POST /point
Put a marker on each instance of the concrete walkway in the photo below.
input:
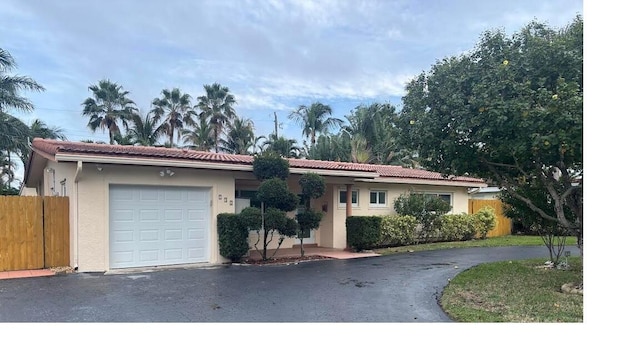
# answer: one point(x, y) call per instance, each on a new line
point(25, 274)
point(313, 251)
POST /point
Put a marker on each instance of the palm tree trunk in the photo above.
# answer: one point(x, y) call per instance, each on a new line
point(171, 130)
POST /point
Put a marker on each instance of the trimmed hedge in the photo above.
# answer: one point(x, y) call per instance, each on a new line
point(458, 227)
point(363, 232)
point(397, 230)
point(232, 236)
point(486, 220)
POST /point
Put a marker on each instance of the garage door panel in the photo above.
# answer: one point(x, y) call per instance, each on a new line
point(173, 254)
point(122, 236)
point(195, 253)
point(149, 215)
point(149, 194)
point(122, 257)
point(123, 194)
point(195, 197)
point(173, 215)
point(149, 235)
point(173, 195)
point(195, 215)
point(158, 226)
point(122, 216)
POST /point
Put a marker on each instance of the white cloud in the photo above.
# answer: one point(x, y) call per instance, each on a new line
point(273, 54)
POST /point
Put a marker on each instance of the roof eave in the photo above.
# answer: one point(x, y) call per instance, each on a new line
point(413, 181)
point(194, 164)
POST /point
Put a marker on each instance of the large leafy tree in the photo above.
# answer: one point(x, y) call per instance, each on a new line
point(175, 107)
point(314, 119)
point(108, 106)
point(12, 85)
point(509, 111)
point(217, 107)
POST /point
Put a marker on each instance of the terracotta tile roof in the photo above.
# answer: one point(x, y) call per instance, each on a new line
point(54, 147)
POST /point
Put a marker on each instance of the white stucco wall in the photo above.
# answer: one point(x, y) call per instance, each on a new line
point(93, 204)
point(459, 200)
point(89, 204)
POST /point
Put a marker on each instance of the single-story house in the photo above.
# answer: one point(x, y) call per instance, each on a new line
point(136, 206)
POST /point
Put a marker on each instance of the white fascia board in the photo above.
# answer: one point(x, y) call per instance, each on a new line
point(424, 182)
point(152, 162)
point(201, 165)
point(340, 173)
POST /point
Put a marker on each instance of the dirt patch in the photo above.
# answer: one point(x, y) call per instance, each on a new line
point(572, 288)
point(62, 270)
point(285, 260)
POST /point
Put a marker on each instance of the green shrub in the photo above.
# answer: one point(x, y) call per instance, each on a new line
point(251, 218)
point(275, 193)
point(363, 232)
point(270, 165)
point(486, 220)
point(426, 208)
point(457, 227)
point(289, 228)
point(232, 236)
point(309, 219)
point(397, 230)
point(312, 186)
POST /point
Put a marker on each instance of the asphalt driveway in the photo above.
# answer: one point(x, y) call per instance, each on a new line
point(393, 288)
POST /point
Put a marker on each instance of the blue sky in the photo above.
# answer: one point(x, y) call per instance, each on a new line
point(273, 55)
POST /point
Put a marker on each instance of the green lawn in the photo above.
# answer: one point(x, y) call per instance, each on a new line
point(510, 240)
point(514, 291)
point(509, 291)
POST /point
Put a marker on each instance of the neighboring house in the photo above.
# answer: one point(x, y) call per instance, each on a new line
point(486, 193)
point(134, 206)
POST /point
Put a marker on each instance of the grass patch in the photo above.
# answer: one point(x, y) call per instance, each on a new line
point(514, 291)
point(510, 240)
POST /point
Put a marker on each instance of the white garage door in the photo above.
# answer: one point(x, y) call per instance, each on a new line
point(154, 225)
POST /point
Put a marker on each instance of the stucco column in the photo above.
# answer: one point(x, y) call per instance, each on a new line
point(349, 205)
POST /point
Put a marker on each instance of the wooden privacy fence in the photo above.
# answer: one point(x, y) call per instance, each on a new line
point(503, 226)
point(34, 232)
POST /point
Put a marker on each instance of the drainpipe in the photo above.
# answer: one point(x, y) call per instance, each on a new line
point(76, 178)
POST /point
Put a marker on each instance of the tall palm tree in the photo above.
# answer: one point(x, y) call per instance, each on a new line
point(108, 105)
point(373, 135)
point(216, 106)
point(331, 147)
point(282, 146)
point(39, 129)
point(200, 136)
point(14, 135)
point(146, 132)
point(11, 85)
point(314, 119)
point(239, 137)
point(177, 108)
